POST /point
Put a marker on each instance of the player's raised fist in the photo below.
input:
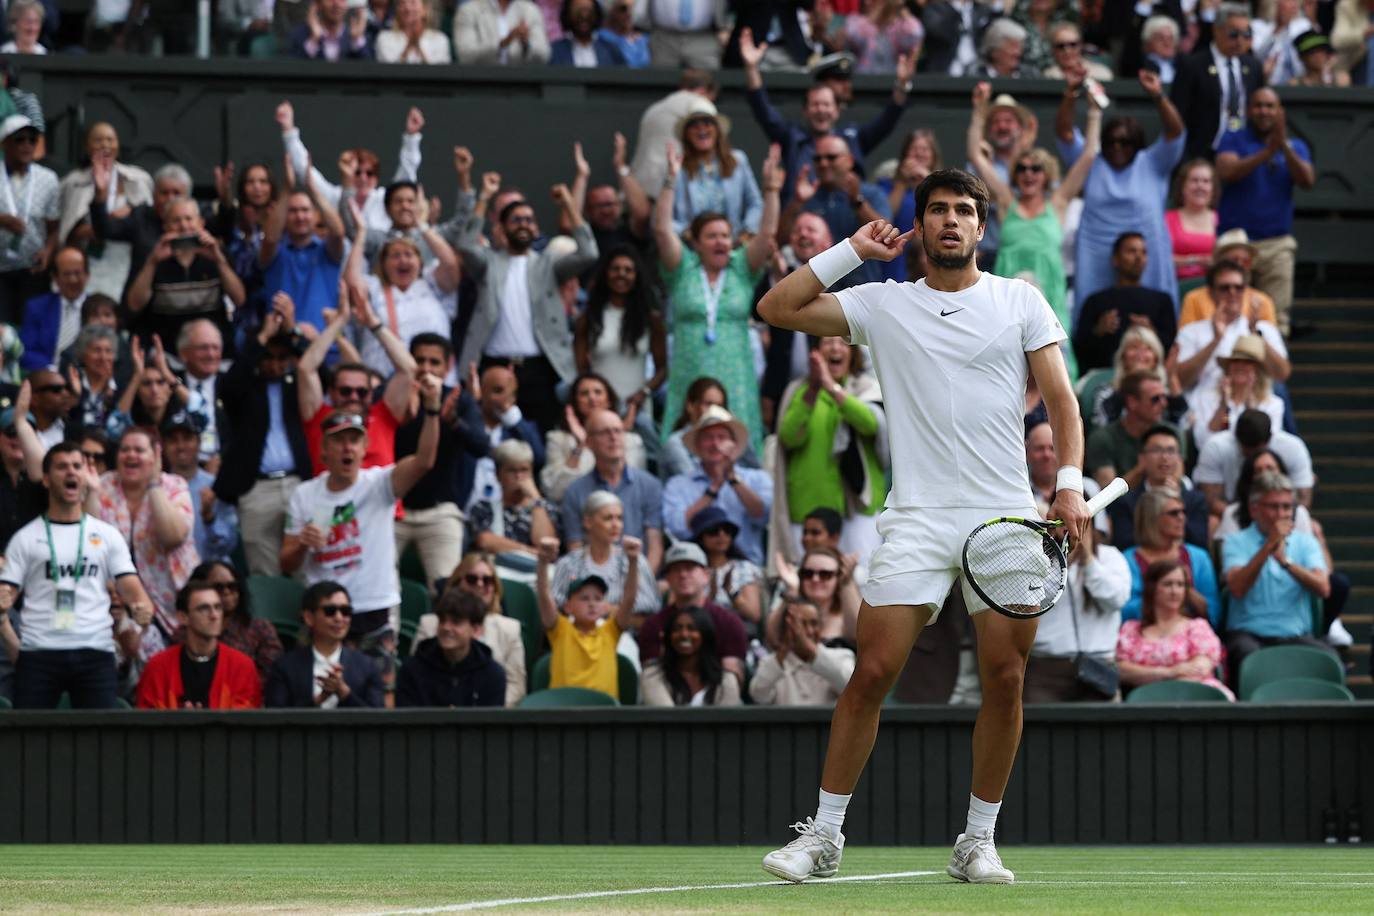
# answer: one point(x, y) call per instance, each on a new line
point(879, 240)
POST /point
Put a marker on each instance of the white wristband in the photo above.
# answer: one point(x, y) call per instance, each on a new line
point(834, 264)
point(1069, 478)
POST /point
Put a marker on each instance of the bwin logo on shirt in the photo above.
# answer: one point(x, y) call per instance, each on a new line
point(69, 570)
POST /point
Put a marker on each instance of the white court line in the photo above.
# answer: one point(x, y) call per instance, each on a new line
point(636, 891)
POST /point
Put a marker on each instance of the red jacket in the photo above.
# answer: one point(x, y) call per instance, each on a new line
point(234, 686)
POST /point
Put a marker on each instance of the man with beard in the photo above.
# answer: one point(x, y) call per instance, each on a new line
point(952, 352)
point(1107, 313)
point(581, 45)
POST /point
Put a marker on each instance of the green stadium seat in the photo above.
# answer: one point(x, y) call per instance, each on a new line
point(539, 672)
point(1176, 692)
point(566, 696)
point(414, 601)
point(5, 703)
point(277, 599)
point(411, 567)
point(1277, 663)
point(1300, 690)
point(519, 603)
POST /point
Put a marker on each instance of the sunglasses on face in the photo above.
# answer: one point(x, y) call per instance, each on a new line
point(1240, 33)
point(95, 456)
point(349, 392)
point(1067, 45)
point(1159, 399)
point(1230, 287)
point(1033, 167)
point(366, 173)
point(50, 389)
point(712, 532)
point(824, 575)
point(1175, 513)
point(335, 610)
point(1117, 141)
point(479, 581)
point(25, 138)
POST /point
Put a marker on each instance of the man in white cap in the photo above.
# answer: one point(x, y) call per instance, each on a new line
point(29, 213)
point(744, 494)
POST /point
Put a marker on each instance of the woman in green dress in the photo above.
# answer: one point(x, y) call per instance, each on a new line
point(711, 294)
point(1033, 207)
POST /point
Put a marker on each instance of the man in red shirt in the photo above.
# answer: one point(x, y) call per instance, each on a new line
point(201, 673)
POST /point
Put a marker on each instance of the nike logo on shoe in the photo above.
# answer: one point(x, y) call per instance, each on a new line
point(944, 314)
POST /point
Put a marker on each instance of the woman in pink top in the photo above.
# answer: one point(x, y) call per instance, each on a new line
point(1193, 223)
point(1167, 643)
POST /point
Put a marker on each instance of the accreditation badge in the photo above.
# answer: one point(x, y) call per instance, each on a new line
point(65, 618)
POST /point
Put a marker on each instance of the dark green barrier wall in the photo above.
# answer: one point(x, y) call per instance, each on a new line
point(1110, 774)
point(523, 121)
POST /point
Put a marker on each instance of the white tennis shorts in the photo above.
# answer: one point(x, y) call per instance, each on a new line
point(921, 554)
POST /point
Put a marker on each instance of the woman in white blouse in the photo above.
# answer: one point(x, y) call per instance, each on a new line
point(620, 328)
point(410, 40)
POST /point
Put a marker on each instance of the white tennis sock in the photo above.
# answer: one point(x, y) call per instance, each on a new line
point(830, 811)
point(982, 816)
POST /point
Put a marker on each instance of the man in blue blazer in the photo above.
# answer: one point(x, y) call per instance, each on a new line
point(325, 674)
point(52, 321)
point(581, 19)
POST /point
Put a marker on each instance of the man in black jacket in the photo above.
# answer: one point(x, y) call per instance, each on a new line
point(326, 674)
point(1214, 83)
point(266, 459)
point(948, 23)
point(454, 668)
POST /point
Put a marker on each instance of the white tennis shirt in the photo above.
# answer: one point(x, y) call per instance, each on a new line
point(953, 372)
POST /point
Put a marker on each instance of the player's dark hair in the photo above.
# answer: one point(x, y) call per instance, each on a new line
point(395, 186)
point(183, 599)
point(430, 339)
point(695, 392)
point(1253, 429)
point(1123, 238)
point(61, 448)
point(828, 517)
point(709, 667)
point(1156, 571)
point(1247, 478)
point(457, 605)
point(1131, 384)
point(1227, 266)
point(314, 595)
point(958, 181)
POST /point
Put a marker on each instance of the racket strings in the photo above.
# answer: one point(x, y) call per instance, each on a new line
point(1016, 567)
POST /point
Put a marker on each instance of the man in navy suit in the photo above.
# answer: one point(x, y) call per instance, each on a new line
point(1213, 84)
point(325, 674)
point(581, 46)
point(52, 321)
point(331, 32)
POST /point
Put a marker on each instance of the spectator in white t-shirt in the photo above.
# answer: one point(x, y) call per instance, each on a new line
point(68, 643)
point(341, 526)
point(1219, 465)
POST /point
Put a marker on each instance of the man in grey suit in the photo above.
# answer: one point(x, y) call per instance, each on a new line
point(519, 320)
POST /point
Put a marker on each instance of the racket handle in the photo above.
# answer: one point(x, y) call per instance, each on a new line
point(1110, 494)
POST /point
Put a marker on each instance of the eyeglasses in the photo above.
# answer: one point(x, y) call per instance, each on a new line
point(227, 588)
point(1240, 33)
point(1067, 45)
point(1035, 167)
point(95, 456)
point(1175, 513)
point(1230, 287)
point(825, 575)
point(346, 391)
point(367, 173)
point(334, 610)
point(479, 581)
point(521, 220)
point(1165, 450)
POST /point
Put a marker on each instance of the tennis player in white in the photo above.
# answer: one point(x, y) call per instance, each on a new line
point(952, 352)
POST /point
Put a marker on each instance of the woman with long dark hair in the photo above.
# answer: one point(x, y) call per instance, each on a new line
point(1169, 642)
point(566, 456)
point(245, 200)
point(620, 328)
point(689, 673)
point(253, 636)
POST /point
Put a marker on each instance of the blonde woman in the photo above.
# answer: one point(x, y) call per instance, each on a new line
point(1140, 350)
point(715, 178)
point(1244, 385)
point(410, 40)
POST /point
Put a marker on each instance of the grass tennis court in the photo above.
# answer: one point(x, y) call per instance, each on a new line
point(380, 879)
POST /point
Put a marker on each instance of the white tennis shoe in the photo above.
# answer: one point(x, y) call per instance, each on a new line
point(813, 854)
point(975, 860)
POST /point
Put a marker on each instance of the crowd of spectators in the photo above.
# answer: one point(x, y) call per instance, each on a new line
point(312, 374)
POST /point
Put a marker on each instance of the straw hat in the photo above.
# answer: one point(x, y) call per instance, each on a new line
point(1005, 100)
point(715, 416)
point(1232, 238)
point(1249, 348)
point(701, 108)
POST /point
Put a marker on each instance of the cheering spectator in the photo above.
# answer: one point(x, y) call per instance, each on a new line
point(130, 186)
point(1169, 642)
point(999, 52)
point(745, 494)
point(1033, 205)
point(295, 260)
point(519, 318)
point(618, 214)
point(114, 218)
point(640, 493)
point(820, 116)
point(501, 421)
point(658, 126)
point(1114, 450)
point(1259, 166)
point(582, 44)
point(688, 578)
point(1199, 305)
point(410, 40)
point(1318, 59)
point(1237, 515)
point(1272, 572)
point(514, 523)
point(689, 671)
point(954, 30)
point(25, 20)
point(1160, 524)
point(711, 292)
point(454, 668)
point(67, 644)
point(476, 575)
point(702, 393)
point(620, 31)
point(735, 583)
point(333, 30)
point(216, 530)
point(1161, 462)
point(42, 400)
point(52, 320)
point(155, 398)
point(1243, 385)
point(1159, 39)
point(833, 437)
point(1038, 17)
point(1066, 45)
point(803, 671)
point(919, 157)
point(1010, 130)
point(326, 673)
point(567, 456)
point(200, 348)
point(255, 637)
point(839, 196)
point(880, 36)
point(1219, 464)
point(186, 276)
point(29, 211)
point(341, 525)
point(619, 330)
point(359, 169)
point(788, 352)
point(1202, 343)
point(1193, 222)
point(506, 32)
point(715, 178)
point(604, 555)
point(824, 577)
point(1125, 190)
point(1107, 314)
point(1213, 83)
point(97, 363)
point(244, 203)
point(22, 497)
point(267, 457)
point(201, 673)
point(582, 642)
point(1275, 41)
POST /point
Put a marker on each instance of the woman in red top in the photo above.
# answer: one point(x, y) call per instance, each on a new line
point(1193, 223)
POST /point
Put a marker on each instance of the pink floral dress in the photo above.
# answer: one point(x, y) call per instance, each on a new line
point(162, 571)
point(1195, 639)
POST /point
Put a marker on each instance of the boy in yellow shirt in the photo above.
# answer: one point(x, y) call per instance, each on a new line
point(584, 646)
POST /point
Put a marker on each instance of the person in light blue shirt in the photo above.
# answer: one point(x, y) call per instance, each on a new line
point(1273, 573)
point(840, 197)
point(620, 31)
point(745, 495)
point(716, 178)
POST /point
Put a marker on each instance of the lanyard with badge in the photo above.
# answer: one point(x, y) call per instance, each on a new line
point(65, 616)
point(712, 296)
point(12, 204)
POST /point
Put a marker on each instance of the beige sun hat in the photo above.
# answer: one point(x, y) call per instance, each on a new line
point(715, 416)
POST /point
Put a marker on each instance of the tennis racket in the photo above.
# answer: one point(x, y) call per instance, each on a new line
point(1017, 566)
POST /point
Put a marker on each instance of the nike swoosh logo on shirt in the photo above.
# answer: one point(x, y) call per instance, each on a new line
point(944, 314)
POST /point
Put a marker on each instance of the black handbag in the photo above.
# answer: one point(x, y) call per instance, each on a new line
point(1099, 676)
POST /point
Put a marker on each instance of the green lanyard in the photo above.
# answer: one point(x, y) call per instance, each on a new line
point(80, 550)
